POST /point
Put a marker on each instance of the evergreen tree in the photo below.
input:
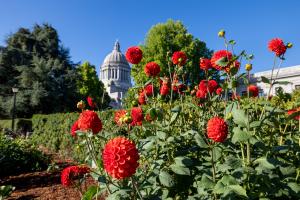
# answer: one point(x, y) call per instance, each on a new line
point(37, 63)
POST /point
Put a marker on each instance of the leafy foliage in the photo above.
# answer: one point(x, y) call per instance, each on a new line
point(89, 85)
point(161, 42)
point(18, 156)
point(37, 63)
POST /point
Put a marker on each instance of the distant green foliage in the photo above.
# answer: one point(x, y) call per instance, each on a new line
point(89, 85)
point(53, 132)
point(36, 62)
point(18, 156)
point(162, 41)
point(21, 125)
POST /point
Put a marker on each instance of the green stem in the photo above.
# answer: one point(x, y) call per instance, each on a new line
point(136, 187)
point(248, 153)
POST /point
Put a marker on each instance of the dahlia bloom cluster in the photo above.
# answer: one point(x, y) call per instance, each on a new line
point(277, 46)
point(120, 116)
point(134, 55)
point(206, 87)
point(147, 91)
point(179, 58)
point(71, 173)
point(87, 121)
point(217, 129)
point(152, 69)
point(226, 55)
point(137, 116)
point(120, 158)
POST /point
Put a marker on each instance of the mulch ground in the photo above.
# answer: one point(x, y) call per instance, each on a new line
point(44, 185)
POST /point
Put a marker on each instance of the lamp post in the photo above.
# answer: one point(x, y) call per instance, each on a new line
point(15, 90)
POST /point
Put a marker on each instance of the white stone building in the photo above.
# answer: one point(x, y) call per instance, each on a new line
point(287, 74)
point(115, 75)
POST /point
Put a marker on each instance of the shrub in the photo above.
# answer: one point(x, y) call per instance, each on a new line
point(53, 132)
point(18, 156)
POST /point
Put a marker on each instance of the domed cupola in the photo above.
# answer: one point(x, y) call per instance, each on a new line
point(115, 74)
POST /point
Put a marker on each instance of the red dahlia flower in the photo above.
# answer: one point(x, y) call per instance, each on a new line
point(205, 64)
point(149, 90)
point(120, 158)
point(217, 56)
point(119, 116)
point(91, 103)
point(137, 116)
point(219, 91)
point(142, 98)
point(74, 128)
point(89, 120)
point(134, 55)
point(201, 94)
point(277, 46)
point(210, 86)
point(164, 90)
point(217, 129)
point(253, 90)
point(152, 69)
point(179, 58)
point(293, 111)
point(71, 173)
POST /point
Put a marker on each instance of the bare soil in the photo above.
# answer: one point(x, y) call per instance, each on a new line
point(44, 185)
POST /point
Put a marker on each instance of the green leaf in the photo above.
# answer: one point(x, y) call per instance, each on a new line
point(177, 169)
point(223, 62)
point(265, 80)
point(90, 193)
point(161, 135)
point(239, 117)
point(174, 117)
point(200, 141)
point(281, 82)
point(183, 161)
point(228, 180)
point(233, 162)
point(239, 135)
point(264, 163)
point(294, 186)
point(206, 182)
point(255, 124)
point(232, 42)
point(119, 195)
point(166, 179)
point(176, 109)
point(239, 190)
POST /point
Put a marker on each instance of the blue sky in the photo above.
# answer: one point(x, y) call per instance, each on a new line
point(89, 28)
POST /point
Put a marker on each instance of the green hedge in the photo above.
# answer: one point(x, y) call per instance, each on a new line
point(53, 131)
point(21, 124)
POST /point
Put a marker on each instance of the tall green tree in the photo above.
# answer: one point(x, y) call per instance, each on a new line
point(36, 62)
point(89, 84)
point(162, 41)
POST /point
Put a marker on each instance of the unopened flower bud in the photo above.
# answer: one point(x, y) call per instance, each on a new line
point(221, 33)
point(289, 45)
point(248, 67)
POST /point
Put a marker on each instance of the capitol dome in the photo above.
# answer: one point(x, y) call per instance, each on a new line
point(115, 56)
point(115, 74)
